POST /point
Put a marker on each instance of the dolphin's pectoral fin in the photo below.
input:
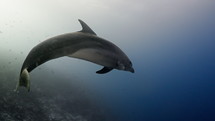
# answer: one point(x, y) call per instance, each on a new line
point(104, 70)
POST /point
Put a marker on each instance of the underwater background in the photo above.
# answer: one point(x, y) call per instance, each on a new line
point(170, 43)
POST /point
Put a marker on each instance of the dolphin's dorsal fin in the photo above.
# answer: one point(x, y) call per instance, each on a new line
point(86, 28)
point(104, 70)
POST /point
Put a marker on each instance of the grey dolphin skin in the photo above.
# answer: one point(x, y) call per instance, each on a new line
point(84, 44)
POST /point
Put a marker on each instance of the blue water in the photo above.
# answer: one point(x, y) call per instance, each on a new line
point(174, 76)
point(179, 84)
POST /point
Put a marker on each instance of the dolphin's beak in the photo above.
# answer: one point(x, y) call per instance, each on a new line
point(131, 70)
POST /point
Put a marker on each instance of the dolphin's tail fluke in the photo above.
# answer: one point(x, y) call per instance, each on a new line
point(24, 80)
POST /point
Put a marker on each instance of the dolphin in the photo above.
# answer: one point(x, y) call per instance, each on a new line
point(84, 44)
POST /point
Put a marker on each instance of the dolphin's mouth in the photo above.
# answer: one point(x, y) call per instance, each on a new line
point(131, 70)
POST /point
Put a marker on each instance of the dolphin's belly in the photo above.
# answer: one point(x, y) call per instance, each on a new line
point(98, 56)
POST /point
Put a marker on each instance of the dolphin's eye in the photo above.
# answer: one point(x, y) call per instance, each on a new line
point(120, 65)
